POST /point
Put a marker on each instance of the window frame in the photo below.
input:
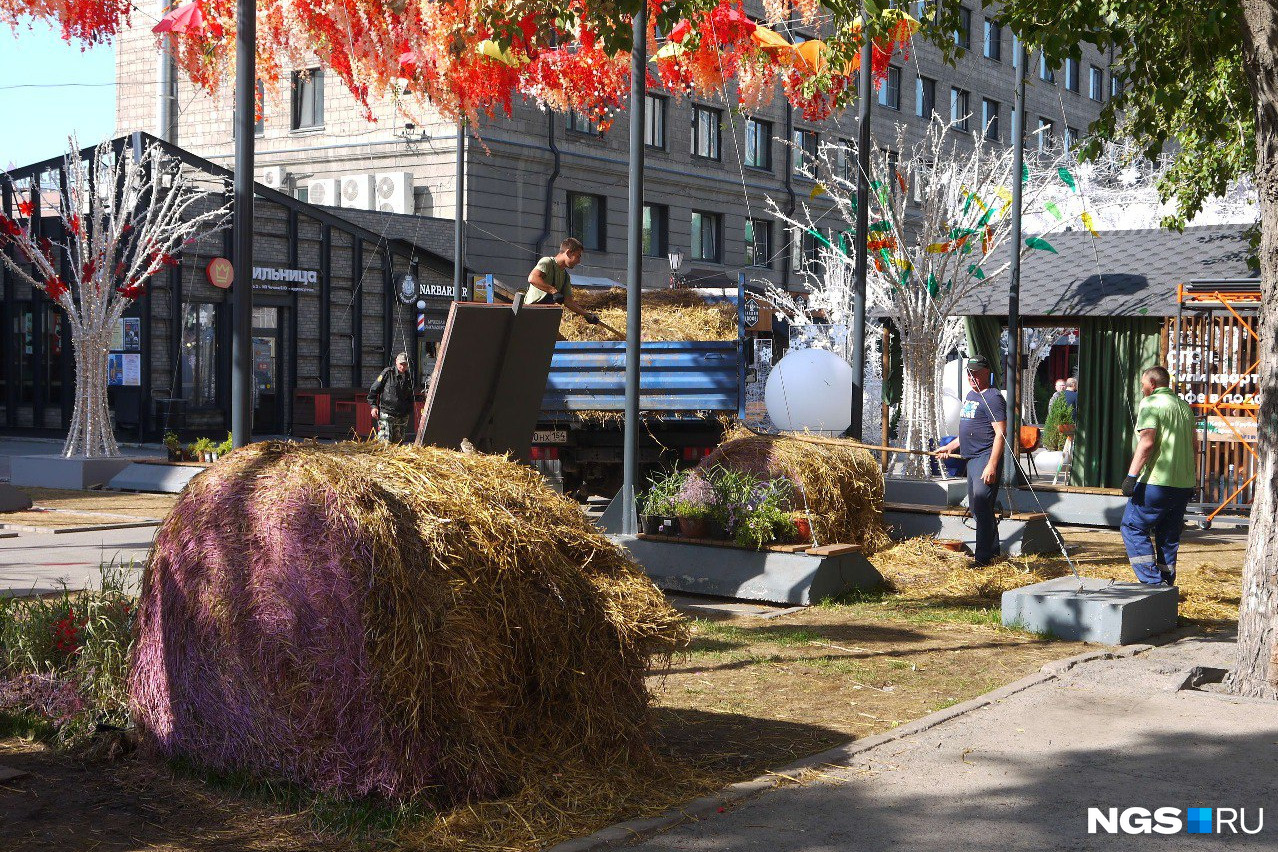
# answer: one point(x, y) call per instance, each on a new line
point(204, 374)
point(986, 124)
point(654, 121)
point(753, 126)
point(1072, 83)
point(1046, 140)
point(601, 216)
point(660, 214)
point(576, 122)
point(315, 78)
point(963, 34)
point(993, 28)
point(752, 234)
point(886, 88)
point(716, 131)
point(697, 241)
point(1046, 74)
point(1096, 84)
point(965, 122)
point(801, 138)
point(925, 97)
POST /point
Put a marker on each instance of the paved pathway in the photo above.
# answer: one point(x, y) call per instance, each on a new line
point(1021, 773)
point(43, 561)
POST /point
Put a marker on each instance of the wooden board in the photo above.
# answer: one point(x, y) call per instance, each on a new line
point(834, 549)
point(956, 512)
point(490, 377)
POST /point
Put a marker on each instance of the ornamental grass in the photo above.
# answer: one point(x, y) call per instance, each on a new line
point(667, 315)
point(838, 483)
point(366, 619)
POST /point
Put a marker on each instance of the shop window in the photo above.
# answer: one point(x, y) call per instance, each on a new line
point(199, 355)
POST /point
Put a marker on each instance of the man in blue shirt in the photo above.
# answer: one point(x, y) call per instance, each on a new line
point(982, 439)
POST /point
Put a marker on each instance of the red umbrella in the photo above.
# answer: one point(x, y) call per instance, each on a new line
point(181, 19)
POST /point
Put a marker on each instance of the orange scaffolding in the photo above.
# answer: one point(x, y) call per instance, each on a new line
point(1215, 361)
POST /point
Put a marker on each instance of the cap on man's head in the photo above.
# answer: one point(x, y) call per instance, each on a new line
point(978, 362)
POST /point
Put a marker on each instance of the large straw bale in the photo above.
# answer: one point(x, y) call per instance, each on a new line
point(372, 619)
point(837, 482)
point(666, 315)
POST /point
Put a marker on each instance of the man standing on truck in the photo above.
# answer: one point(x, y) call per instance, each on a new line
point(391, 398)
point(550, 283)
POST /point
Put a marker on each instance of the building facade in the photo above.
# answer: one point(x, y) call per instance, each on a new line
point(536, 176)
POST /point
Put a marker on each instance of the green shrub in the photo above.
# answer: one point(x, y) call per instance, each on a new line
point(663, 493)
point(1059, 415)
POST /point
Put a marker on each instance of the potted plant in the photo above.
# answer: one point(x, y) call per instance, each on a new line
point(1059, 425)
point(226, 446)
point(694, 519)
point(173, 445)
point(202, 449)
point(802, 526)
point(765, 515)
point(659, 501)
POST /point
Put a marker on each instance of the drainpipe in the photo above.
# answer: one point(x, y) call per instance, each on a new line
point(550, 185)
point(789, 190)
point(164, 92)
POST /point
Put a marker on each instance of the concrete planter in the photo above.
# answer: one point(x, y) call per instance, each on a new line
point(55, 471)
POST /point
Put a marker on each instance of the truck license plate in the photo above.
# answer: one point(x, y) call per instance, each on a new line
point(550, 436)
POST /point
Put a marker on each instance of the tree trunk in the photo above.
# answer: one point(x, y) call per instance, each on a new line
point(919, 430)
point(1256, 672)
point(91, 434)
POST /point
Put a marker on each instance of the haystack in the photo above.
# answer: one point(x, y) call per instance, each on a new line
point(371, 619)
point(673, 315)
point(837, 482)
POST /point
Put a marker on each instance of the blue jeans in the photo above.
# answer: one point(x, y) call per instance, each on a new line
point(1151, 529)
point(980, 502)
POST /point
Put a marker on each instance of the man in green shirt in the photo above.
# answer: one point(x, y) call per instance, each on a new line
point(1160, 480)
point(550, 283)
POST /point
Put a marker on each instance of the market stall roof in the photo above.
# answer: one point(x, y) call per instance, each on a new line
point(1119, 273)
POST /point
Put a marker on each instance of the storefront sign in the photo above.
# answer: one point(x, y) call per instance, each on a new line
point(288, 280)
point(409, 289)
point(221, 272)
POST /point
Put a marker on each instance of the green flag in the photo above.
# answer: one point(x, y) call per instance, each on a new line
point(1039, 243)
point(932, 289)
point(976, 272)
point(1067, 178)
point(1024, 173)
point(1054, 210)
point(881, 226)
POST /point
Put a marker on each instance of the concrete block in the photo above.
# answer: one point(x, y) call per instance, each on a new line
point(155, 478)
point(1092, 610)
point(1018, 536)
point(54, 471)
point(1091, 507)
point(924, 492)
point(13, 499)
point(728, 572)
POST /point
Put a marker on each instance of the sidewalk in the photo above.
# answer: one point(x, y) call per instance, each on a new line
point(43, 562)
point(1020, 774)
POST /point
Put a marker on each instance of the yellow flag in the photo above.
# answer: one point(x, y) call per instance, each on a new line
point(938, 248)
point(817, 190)
point(1089, 223)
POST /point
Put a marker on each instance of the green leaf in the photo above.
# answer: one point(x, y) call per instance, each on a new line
point(1067, 179)
point(1041, 244)
point(976, 272)
point(1054, 210)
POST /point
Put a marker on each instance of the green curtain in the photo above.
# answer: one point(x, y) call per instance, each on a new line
point(894, 381)
point(983, 333)
point(1112, 353)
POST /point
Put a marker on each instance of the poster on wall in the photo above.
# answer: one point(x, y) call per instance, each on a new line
point(115, 370)
point(132, 370)
point(132, 334)
point(117, 336)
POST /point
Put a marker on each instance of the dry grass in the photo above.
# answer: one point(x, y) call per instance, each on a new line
point(141, 506)
point(673, 315)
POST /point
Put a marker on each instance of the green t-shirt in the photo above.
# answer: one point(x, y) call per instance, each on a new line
point(555, 275)
point(1172, 463)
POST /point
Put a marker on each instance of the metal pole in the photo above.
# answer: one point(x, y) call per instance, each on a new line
point(865, 91)
point(459, 215)
point(164, 100)
point(1013, 365)
point(634, 269)
point(242, 224)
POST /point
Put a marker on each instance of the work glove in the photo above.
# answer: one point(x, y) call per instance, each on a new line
point(1129, 485)
point(556, 298)
point(593, 319)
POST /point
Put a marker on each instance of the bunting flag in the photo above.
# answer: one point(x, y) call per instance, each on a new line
point(1006, 196)
point(1067, 178)
point(1089, 223)
point(882, 244)
point(1039, 243)
point(984, 221)
point(955, 233)
point(1024, 173)
point(967, 199)
point(901, 183)
point(986, 240)
point(817, 191)
point(979, 203)
point(932, 289)
point(1054, 210)
point(879, 227)
point(976, 272)
point(939, 248)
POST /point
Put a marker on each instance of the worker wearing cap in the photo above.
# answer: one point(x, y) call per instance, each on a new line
point(1160, 480)
point(981, 440)
point(551, 283)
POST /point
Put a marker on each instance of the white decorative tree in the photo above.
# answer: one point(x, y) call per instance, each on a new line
point(1036, 345)
point(938, 224)
point(123, 218)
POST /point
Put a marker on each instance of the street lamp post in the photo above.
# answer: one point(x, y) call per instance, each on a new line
point(242, 223)
point(676, 262)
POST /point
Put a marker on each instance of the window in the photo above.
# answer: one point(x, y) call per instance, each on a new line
point(843, 160)
point(993, 40)
point(758, 144)
point(587, 220)
point(1115, 85)
point(654, 121)
point(579, 123)
point(758, 242)
point(920, 9)
point(989, 119)
point(199, 354)
point(963, 35)
point(308, 99)
point(890, 91)
point(1046, 134)
point(805, 153)
point(1096, 91)
point(656, 218)
point(1071, 138)
point(1045, 71)
point(705, 132)
point(959, 108)
point(925, 98)
point(302, 194)
point(805, 249)
point(706, 231)
point(1071, 75)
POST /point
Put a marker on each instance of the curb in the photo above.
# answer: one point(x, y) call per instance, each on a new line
point(635, 830)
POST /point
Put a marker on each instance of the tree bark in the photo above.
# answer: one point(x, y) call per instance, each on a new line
point(1256, 671)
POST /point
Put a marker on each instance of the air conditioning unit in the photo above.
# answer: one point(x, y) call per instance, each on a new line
point(323, 192)
point(357, 191)
point(276, 177)
point(395, 192)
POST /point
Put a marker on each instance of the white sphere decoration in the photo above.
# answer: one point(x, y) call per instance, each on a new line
point(810, 389)
point(954, 380)
point(952, 407)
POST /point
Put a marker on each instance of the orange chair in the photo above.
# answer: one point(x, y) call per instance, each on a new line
point(1029, 440)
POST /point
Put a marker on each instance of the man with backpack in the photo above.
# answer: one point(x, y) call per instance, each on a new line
point(391, 398)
